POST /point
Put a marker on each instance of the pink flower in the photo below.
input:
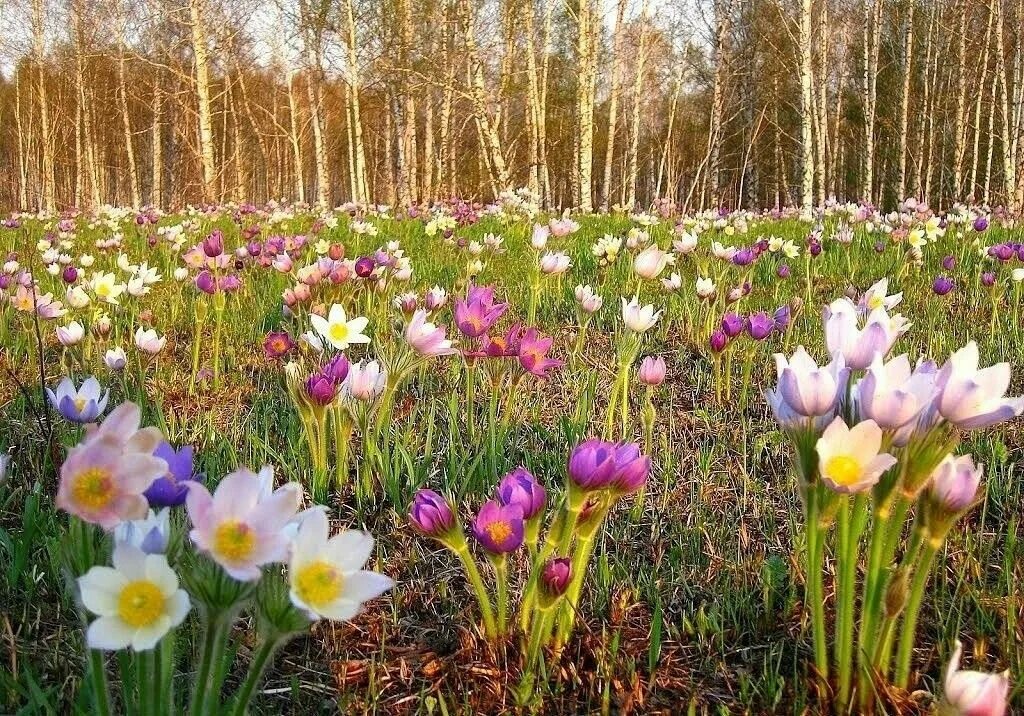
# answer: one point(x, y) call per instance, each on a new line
point(975, 693)
point(426, 338)
point(104, 476)
point(652, 371)
point(242, 525)
point(533, 349)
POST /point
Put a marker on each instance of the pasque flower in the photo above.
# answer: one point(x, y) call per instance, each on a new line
point(365, 381)
point(71, 334)
point(637, 319)
point(426, 338)
point(115, 359)
point(652, 370)
point(532, 353)
point(592, 464)
point(242, 525)
point(171, 489)
point(849, 459)
point(338, 330)
point(954, 483)
point(973, 398)
point(974, 693)
point(151, 533)
point(277, 345)
point(82, 405)
point(521, 488)
point(760, 325)
point(556, 576)
point(325, 573)
point(137, 600)
point(807, 389)
point(478, 313)
point(650, 262)
point(148, 341)
point(588, 301)
point(732, 324)
point(499, 528)
point(891, 394)
point(430, 514)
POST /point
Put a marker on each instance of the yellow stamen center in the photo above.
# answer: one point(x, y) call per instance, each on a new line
point(318, 583)
point(80, 404)
point(141, 603)
point(843, 470)
point(339, 332)
point(234, 541)
point(103, 290)
point(499, 531)
point(93, 488)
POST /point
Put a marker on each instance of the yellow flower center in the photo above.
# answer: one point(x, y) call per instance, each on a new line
point(93, 488)
point(80, 404)
point(499, 531)
point(843, 470)
point(103, 290)
point(234, 541)
point(339, 332)
point(141, 603)
point(318, 583)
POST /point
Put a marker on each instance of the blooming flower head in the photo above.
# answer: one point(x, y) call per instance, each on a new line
point(426, 338)
point(171, 489)
point(430, 514)
point(478, 313)
point(732, 324)
point(539, 238)
point(652, 370)
point(137, 600)
point(649, 263)
point(499, 528)
point(277, 345)
point(365, 381)
point(877, 296)
point(71, 334)
point(338, 330)
point(859, 345)
point(592, 464)
point(115, 359)
point(325, 573)
point(555, 263)
point(106, 287)
point(588, 301)
point(521, 488)
point(760, 325)
point(705, 287)
point(532, 353)
point(241, 526)
point(148, 341)
point(942, 285)
point(151, 534)
point(637, 319)
point(973, 398)
point(82, 405)
point(807, 389)
point(974, 693)
point(848, 458)
point(954, 483)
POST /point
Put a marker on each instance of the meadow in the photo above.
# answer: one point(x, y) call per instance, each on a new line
point(697, 582)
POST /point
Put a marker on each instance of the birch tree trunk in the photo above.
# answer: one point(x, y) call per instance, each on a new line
point(613, 104)
point(821, 106)
point(872, 36)
point(959, 121)
point(1006, 140)
point(908, 54)
point(202, 62)
point(156, 193)
point(129, 144)
point(587, 60)
point(806, 109)
point(360, 189)
point(634, 133)
point(49, 201)
point(297, 163)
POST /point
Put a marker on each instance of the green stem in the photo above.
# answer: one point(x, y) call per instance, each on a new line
point(541, 627)
point(258, 666)
point(567, 616)
point(906, 647)
point(852, 523)
point(501, 578)
point(486, 611)
point(887, 632)
point(205, 697)
point(98, 680)
point(815, 586)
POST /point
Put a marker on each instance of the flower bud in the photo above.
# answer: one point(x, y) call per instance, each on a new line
point(556, 576)
point(430, 514)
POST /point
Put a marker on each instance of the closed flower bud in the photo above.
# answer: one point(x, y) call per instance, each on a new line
point(556, 576)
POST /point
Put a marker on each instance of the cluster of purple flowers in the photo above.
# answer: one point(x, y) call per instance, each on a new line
point(758, 326)
point(322, 386)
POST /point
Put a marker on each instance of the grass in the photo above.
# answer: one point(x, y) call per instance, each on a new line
point(694, 600)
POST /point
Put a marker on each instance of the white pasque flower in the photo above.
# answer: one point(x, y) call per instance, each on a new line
point(338, 330)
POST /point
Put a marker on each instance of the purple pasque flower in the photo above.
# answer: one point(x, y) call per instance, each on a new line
point(988, 279)
point(556, 575)
point(942, 285)
point(364, 266)
point(973, 398)
point(478, 313)
point(277, 345)
point(631, 468)
point(532, 353)
point(879, 247)
point(337, 369)
point(521, 488)
point(499, 528)
point(783, 271)
point(760, 325)
point(744, 257)
point(980, 224)
point(172, 489)
point(320, 389)
point(592, 464)
point(949, 262)
point(954, 483)
point(206, 282)
point(79, 405)
point(718, 341)
point(213, 245)
point(782, 316)
point(430, 514)
point(70, 274)
point(732, 324)
point(814, 248)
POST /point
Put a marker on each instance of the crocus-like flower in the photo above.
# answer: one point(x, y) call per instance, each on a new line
point(718, 341)
point(171, 489)
point(478, 313)
point(892, 395)
point(137, 600)
point(556, 576)
point(277, 345)
point(150, 534)
point(365, 381)
point(637, 319)
point(555, 263)
point(320, 389)
point(71, 334)
point(520, 488)
point(974, 693)
point(83, 405)
point(652, 370)
point(430, 514)
point(532, 354)
point(848, 458)
point(942, 285)
point(877, 296)
point(705, 287)
point(326, 574)
point(147, 341)
point(631, 467)
point(760, 325)
point(650, 262)
point(242, 525)
point(971, 398)
point(499, 528)
point(539, 238)
point(954, 483)
point(435, 298)
point(115, 359)
point(589, 301)
point(338, 330)
point(732, 324)
point(426, 338)
point(807, 389)
point(592, 464)
point(859, 345)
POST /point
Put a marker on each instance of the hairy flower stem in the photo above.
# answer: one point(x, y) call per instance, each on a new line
point(261, 660)
point(539, 633)
point(815, 587)
point(921, 574)
point(205, 697)
point(482, 598)
point(851, 525)
point(500, 564)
